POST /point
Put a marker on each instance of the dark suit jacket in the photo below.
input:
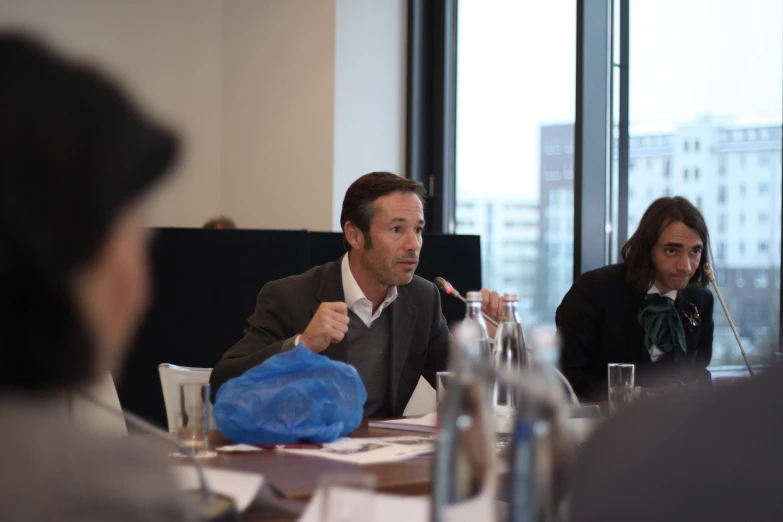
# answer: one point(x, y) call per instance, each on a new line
point(419, 335)
point(597, 324)
point(713, 456)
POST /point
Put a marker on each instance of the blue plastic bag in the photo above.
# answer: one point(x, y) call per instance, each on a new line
point(291, 397)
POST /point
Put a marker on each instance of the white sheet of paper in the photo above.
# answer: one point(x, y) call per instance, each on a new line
point(427, 423)
point(482, 507)
point(240, 486)
point(373, 450)
point(237, 448)
point(383, 507)
point(580, 430)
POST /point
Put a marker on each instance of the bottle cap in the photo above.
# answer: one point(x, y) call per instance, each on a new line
point(473, 295)
point(510, 296)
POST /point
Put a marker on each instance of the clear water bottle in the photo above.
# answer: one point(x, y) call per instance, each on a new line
point(540, 452)
point(464, 463)
point(509, 353)
point(473, 316)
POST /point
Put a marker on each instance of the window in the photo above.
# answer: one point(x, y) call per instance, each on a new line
point(685, 174)
point(761, 280)
point(763, 160)
point(763, 247)
point(698, 202)
point(722, 165)
point(516, 65)
point(763, 189)
point(742, 189)
point(508, 149)
point(763, 218)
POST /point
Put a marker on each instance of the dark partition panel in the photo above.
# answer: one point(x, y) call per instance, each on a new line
point(206, 283)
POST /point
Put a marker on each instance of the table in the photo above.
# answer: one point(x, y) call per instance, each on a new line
point(297, 476)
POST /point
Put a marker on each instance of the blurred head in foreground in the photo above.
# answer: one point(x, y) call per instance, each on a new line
point(77, 161)
point(220, 223)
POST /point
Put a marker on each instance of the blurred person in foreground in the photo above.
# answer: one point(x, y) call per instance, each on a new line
point(77, 160)
point(701, 456)
point(220, 223)
point(652, 310)
point(367, 308)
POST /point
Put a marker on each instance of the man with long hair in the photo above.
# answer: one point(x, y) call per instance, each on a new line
point(652, 310)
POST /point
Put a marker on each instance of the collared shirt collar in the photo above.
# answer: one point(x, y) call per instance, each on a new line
point(356, 300)
point(671, 294)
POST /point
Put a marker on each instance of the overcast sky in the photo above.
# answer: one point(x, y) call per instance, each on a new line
point(516, 70)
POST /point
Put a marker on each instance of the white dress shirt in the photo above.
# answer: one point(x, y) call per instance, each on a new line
point(356, 300)
point(655, 352)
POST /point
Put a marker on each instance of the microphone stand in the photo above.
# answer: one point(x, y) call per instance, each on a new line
point(450, 290)
point(210, 507)
point(711, 277)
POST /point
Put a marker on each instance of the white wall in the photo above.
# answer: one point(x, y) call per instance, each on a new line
point(278, 73)
point(369, 95)
point(281, 103)
point(167, 53)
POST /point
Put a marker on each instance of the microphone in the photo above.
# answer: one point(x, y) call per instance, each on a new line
point(209, 507)
point(450, 290)
point(711, 277)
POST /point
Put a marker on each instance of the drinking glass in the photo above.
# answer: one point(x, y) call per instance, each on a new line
point(621, 384)
point(193, 417)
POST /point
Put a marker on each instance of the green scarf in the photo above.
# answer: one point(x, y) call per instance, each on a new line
point(662, 325)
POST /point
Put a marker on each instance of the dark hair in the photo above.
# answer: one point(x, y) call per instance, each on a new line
point(637, 251)
point(74, 152)
point(220, 222)
point(360, 196)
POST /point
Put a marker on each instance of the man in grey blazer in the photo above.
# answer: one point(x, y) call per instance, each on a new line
point(367, 309)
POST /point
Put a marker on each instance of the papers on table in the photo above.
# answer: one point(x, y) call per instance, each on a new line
point(237, 448)
point(382, 507)
point(579, 428)
point(426, 423)
point(240, 486)
point(371, 450)
point(353, 504)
